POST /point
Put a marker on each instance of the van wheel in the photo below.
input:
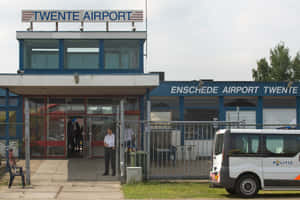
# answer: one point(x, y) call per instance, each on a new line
point(247, 186)
point(230, 190)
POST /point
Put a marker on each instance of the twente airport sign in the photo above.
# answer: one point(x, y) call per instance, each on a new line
point(82, 16)
point(226, 89)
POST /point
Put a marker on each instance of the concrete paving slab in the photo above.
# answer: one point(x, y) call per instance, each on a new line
point(54, 179)
point(90, 195)
point(12, 195)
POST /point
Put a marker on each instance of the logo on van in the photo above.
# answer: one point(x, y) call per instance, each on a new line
point(282, 163)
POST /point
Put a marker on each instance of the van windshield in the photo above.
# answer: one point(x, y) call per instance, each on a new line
point(219, 144)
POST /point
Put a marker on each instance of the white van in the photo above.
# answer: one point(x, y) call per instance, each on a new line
point(247, 160)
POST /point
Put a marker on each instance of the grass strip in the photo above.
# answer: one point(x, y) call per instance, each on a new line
point(182, 190)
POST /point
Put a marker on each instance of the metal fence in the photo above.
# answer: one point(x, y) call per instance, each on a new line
point(175, 149)
point(170, 150)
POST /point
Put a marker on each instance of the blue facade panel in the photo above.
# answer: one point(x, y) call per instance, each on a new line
point(259, 112)
point(222, 116)
point(21, 54)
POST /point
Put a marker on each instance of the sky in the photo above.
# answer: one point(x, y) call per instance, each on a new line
point(187, 39)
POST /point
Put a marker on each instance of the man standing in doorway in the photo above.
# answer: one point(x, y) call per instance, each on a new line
point(109, 153)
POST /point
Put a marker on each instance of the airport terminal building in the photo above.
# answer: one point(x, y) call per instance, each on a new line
point(82, 76)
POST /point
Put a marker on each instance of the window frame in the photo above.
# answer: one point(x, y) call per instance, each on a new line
point(121, 52)
point(238, 154)
point(27, 60)
point(271, 154)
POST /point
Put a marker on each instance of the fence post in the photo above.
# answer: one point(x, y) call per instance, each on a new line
point(298, 112)
point(6, 124)
point(27, 141)
point(148, 135)
point(118, 150)
point(122, 163)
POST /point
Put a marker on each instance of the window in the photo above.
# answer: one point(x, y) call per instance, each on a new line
point(12, 101)
point(248, 116)
point(219, 144)
point(81, 54)
point(121, 54)
point(12, 123)
point(274, 144)
point(283, 145)
point(244, 144)
point(41, 54)
point(276, 118)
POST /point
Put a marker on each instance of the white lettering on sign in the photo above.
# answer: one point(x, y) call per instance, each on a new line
point(279, 90)
point(82, 15)
point(205, 90)
point(233, 90)
point(240, 90)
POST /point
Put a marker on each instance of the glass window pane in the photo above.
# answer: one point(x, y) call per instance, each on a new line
point(274, 144)
point(36, 105)
point(279, 118)
point(102, 105)
point(82, 54)
point(2, 101)
point(12, 124)
point(75, 106)
point(56, 106)
point(219, 144)
point(121, 54)
point(13, 101)
point(245, 144)
point(41, 54)
point(254, 141)
point(249, 117)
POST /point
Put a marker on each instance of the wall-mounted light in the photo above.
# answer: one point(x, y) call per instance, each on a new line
point(200, 84)
point(20, 72)
point(290, 84)
point(76, 78)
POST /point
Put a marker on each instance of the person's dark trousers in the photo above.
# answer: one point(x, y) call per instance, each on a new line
point(110, 156)
point(11, 180)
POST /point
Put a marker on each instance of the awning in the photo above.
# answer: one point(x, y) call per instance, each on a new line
point(79, 85)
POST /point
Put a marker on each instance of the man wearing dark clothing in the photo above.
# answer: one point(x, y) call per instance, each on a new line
point(109, 155)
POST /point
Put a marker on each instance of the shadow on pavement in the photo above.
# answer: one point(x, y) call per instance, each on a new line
point(87, 170)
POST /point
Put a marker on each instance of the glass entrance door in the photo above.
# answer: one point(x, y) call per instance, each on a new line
point(56, 136)
point(98, 126)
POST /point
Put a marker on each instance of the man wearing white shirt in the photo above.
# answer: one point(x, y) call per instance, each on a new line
point(109, 149)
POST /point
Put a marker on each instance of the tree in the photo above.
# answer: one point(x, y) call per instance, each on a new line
point(281, 68)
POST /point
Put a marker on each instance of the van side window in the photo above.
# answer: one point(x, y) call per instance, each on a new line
point(274, 144)
point(219, 144)
point(283, 145)
point(244, 144)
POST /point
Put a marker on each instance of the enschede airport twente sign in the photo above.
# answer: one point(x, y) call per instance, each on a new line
point(82, 16)
point(226, 89)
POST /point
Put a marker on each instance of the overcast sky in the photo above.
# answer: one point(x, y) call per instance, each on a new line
point(188, 39)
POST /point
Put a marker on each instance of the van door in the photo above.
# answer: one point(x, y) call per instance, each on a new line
point(245, 154)
point(281, 164)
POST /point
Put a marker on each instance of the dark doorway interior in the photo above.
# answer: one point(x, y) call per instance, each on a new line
point(75, 135)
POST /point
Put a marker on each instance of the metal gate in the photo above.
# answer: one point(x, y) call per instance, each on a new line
point(169, 150)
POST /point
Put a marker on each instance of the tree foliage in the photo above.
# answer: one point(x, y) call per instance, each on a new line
point(281, 66)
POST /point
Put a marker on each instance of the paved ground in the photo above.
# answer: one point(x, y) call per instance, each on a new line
point(52, 179)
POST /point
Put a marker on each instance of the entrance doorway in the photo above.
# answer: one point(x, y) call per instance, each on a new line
point(76, 139)
point(98, 126)
point(62, 127)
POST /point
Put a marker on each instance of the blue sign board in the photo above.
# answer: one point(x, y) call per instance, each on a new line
point(226, 89)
